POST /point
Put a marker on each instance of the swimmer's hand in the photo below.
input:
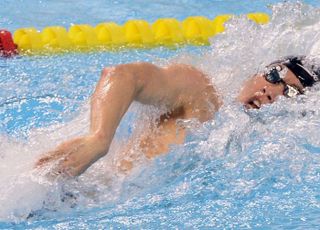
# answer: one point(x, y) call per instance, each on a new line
point(71, 158)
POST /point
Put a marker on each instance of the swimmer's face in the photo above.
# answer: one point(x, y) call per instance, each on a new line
point(257, 91)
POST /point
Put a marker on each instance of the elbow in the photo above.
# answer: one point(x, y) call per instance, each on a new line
point(132, 74)
point(106, 71)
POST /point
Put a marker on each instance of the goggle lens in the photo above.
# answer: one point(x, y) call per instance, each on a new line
point(275, 74)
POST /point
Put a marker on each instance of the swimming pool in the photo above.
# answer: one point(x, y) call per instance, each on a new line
point(257, 169)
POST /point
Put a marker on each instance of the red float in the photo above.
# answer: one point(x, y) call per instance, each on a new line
point(7, 46)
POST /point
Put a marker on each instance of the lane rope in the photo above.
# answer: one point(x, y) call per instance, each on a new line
point(168, 32)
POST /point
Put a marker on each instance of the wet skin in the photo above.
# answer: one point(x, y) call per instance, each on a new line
point(257, 91)
point(186, 92)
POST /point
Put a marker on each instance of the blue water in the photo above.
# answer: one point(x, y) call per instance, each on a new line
point(257, 169)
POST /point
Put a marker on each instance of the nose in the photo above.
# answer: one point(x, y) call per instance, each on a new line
point(265, 96)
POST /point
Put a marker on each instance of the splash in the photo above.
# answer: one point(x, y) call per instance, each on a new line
point(243, 169)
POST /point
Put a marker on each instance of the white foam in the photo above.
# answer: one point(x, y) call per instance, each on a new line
point(235, 55)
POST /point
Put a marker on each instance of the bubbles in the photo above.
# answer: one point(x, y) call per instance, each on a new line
point(247, 47)
point(243, 169)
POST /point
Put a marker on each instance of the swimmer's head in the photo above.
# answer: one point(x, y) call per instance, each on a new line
point(265, 88)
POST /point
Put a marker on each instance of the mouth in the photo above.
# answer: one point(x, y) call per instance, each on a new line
point(253, 104)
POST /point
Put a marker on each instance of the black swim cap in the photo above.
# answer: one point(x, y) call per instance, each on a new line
point(297, 64)
point(307, 77)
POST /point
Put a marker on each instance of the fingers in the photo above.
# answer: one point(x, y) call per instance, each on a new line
point(61, 172)
point(58, 169)
point(43, 161)
point(71, 167)
point(49, 157)
point(66, 167)
point(67, 160)
point(52, 166)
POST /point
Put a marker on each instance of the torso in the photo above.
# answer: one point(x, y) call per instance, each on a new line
point(196, 98)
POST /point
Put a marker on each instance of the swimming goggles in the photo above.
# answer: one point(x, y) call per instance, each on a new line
point(275, 75)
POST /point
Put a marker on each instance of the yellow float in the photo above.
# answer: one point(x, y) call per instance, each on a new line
point(167, 32)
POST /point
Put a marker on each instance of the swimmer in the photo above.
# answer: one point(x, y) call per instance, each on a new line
point(185, 91)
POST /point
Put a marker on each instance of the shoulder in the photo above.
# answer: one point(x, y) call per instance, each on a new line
point(187, 76)
point(197, 91)
point(183, 68)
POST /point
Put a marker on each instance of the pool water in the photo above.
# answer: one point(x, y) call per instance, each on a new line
point(243, 169)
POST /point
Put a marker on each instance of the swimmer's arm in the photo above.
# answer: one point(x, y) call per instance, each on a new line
point(115, 91)
point(118, 88)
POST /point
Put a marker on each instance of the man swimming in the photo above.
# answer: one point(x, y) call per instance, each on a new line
point(185, 91)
